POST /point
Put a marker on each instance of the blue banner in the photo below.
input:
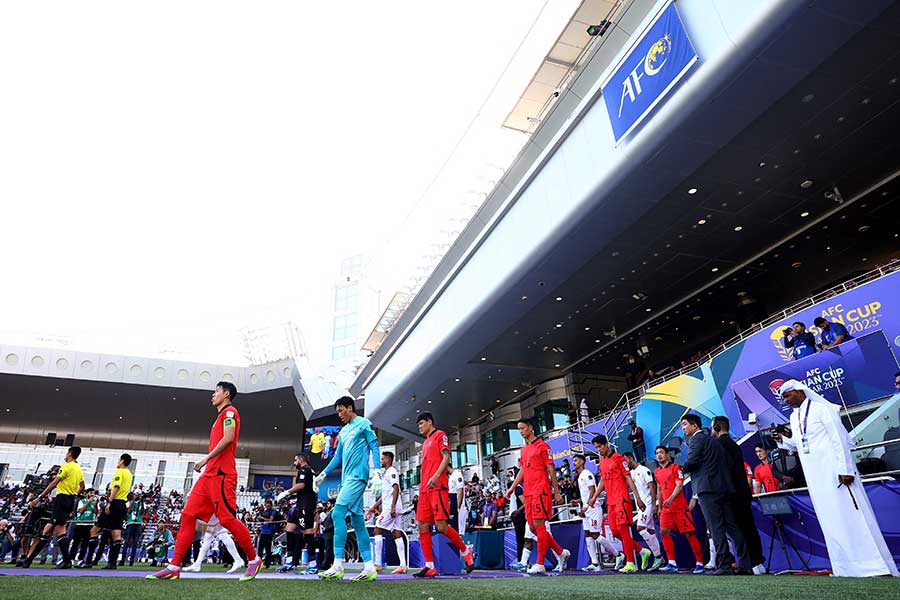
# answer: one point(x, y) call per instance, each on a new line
point(655, 63)
point(857, 371)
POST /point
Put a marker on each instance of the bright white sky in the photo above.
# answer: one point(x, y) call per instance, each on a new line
point(173, 171)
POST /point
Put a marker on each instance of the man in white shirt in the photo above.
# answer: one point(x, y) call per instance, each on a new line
point(646, 487)
point(591, 516)
point(391, 517)
point(457, 489)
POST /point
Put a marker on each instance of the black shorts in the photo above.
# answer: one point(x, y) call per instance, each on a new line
point(303, 517)
point(63, 505)
point(115, 518)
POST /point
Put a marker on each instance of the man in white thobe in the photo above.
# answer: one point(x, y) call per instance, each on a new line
point(856, 547)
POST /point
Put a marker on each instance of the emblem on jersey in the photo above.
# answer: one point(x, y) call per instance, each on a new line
point(228, 423)
point(229, 413)
point(446, 441)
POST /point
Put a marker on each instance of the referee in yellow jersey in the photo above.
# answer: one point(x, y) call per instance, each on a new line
point(113, 516)
point(69, 482)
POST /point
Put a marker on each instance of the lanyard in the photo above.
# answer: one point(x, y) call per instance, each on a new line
point(805, 419)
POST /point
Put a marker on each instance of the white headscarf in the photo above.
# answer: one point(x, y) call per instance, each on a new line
point(793, 384)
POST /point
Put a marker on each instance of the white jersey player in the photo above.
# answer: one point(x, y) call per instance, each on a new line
point(391, 517)
point(215, 533)
point(591, 515)
point(646, 488)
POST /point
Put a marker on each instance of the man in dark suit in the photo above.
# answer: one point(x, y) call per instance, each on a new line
point(743, 510)
point(708, 466)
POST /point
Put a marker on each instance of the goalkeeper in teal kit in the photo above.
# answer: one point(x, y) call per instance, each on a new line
point(355, 443)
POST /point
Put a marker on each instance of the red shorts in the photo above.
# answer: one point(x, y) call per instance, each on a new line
point(677, 519)
point(213, 495)
point(538, 506)
point(620, 514)
point(434, 505)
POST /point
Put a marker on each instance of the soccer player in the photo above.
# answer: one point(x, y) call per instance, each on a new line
point(591, 515)
point(356, 441)
point(112, 518)
point(69, 482)
point(215, 492)
point(538, 473)
point(215, 532)
point(763, 478)
point(643, 481)
point(301, 516)
point(614, 478)
point(390, 519)
point(434, 496)
point(672, 509)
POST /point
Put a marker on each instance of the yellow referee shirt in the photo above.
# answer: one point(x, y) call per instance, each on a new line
point(122, 478)
point(70, 477)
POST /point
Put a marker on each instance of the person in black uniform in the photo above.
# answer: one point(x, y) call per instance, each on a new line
point(301, 520)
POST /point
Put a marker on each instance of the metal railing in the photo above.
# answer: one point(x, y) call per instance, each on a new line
point(637, 393)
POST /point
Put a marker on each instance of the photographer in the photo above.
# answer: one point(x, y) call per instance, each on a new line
point(801, 341)
point(82, 522)
point(7, 540)
point(69, 482)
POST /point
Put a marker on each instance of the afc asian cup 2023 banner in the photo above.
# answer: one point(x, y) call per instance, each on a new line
point(708, 390)
point(857, 371)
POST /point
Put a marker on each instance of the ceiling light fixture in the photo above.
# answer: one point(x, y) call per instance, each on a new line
point(806, 184)
point(738, 228)
point(692, 191)
point(457, 379)
point(484, 358)
point(804, 214)
point(556, 365)
point(558, 325)
point(715, 269)
point(701, 222)
point(559, 298)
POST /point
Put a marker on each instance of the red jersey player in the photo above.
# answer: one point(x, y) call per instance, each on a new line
point(434, 496)
point(537, 473)
point(673, 512)
point(215, 492)
point(614, 478)
point(764, 479)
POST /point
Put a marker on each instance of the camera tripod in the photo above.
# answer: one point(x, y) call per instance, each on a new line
point(784, 541)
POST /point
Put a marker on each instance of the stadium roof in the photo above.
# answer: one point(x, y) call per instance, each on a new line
point(758, 161)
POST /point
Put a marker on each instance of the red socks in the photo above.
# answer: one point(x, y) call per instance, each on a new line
point(454, 538)
point(695, 546)
point(425, 543)
point(669, 546)
point(544, 541)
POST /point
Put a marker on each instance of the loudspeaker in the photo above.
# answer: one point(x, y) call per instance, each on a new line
point(70, 440)
point(51, 439)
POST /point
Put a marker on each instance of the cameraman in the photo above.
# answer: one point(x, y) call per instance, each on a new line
point(801, 341)
point(82, 522)
point(69, 482)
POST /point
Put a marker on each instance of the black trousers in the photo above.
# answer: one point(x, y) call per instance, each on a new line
point(721, 520)
point(81, 535)
point(328, 550)
point(743, 510)
point(265, 547)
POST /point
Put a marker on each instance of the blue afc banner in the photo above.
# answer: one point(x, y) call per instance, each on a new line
point(655, 63)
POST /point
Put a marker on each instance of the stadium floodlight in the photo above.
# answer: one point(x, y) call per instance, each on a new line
point(599, 29)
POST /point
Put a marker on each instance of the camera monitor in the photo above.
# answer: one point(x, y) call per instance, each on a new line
point(775, 505)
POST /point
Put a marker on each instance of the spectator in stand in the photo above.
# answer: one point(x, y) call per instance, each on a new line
point(567, 489)
point(764, 479)
point(832, 333)
point(489, 512)
point(635, 371)
point(802, 342)
point(636, 437)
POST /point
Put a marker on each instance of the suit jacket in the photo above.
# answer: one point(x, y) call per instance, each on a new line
point(708, 465)
point(736, 473)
